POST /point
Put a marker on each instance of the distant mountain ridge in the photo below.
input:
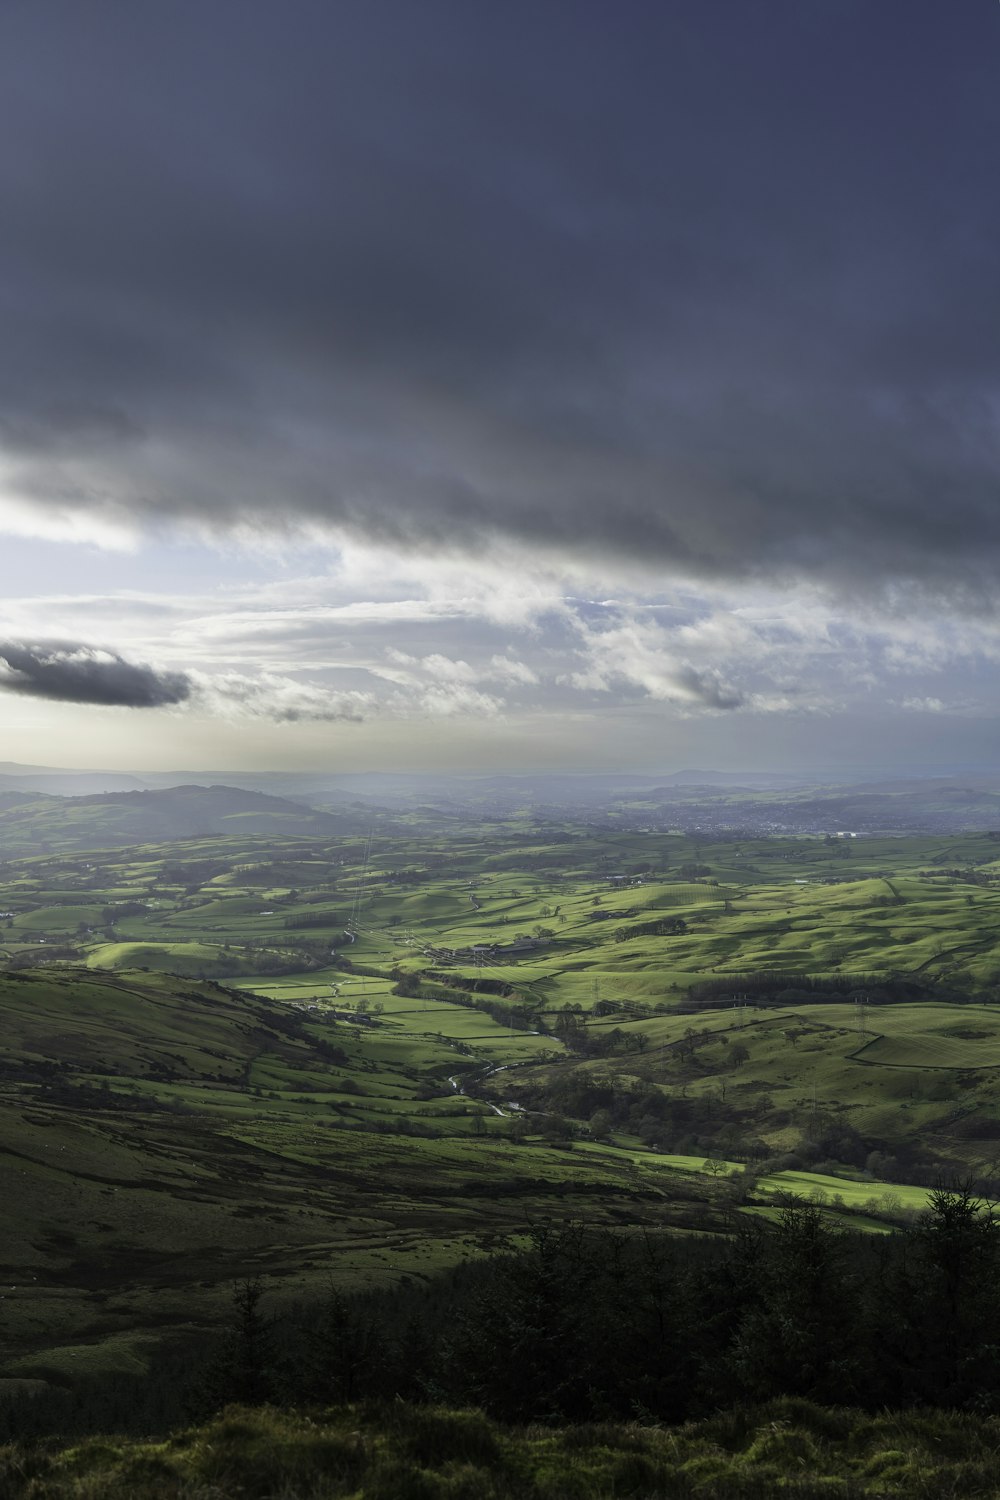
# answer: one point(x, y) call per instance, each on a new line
point(757, 780)
point(48, 810)
point(58, 781)
point(118, 819)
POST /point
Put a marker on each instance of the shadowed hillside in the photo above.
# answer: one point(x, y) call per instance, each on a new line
point(161, 1137)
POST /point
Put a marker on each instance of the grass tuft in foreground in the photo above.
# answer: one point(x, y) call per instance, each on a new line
point(403, 1452)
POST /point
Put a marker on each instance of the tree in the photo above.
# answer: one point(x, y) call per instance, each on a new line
point(345, 1350)
point(552, 1333)
point(242, 1368)
point(952, 1285)
point(800, 1334)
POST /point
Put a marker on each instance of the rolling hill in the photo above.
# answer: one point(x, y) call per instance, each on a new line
point(42, 824)
point(161, 1137)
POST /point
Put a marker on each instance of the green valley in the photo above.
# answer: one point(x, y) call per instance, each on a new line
point(375, 1056)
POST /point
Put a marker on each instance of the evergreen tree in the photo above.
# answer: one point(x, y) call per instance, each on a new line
point(343, 1354)
point(950, 1313)
point(799, 1336)
point(242, 1370)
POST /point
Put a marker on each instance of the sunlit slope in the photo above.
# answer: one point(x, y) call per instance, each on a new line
point(916, 1083)
point(925, 909)
point(194, 959)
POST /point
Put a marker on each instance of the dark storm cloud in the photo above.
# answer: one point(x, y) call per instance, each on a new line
point(706, 284)
point(69, 673)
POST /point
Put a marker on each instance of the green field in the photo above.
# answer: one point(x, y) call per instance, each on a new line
point(789, 905)
point(417, 1046)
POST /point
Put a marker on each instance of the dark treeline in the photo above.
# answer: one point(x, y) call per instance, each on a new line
point(592, 1325)
point(470, 994)
point(477, 986)
point(303, 920)
point(773, 987)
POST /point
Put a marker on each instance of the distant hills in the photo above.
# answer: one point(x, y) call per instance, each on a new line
point(48, 809)
point(58, 782)
point(42, 824)
point(760, 780)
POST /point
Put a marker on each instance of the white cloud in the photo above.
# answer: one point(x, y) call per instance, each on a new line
point(434, 666)
point(384, 637)
point(639, 653)
point(109, 527)
point(503, 669)
point(923, 705)
point(446, 700)
point(284, 701)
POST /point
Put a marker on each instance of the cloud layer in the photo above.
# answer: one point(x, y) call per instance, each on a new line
point(641, 288)
point(545, 382)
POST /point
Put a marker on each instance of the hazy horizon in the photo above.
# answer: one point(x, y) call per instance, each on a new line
point(704, 777)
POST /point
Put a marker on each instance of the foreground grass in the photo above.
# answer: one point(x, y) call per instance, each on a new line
point(402, 1452)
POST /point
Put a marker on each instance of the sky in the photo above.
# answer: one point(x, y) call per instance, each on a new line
point(553, 384)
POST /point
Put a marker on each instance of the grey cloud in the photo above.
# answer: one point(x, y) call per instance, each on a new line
point(708, 688)
point(280, 699)
point(643, 287)
point(72, 673)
